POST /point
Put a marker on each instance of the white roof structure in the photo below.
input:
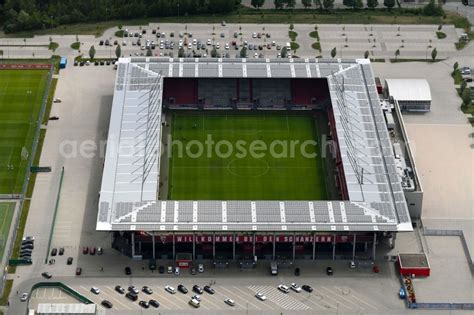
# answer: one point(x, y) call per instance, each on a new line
point(409, 89)
point(72, 308)
point(129, 193)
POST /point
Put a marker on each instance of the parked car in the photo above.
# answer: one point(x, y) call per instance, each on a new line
point(24, 296)
point(119, 289)
point(69, 260)
point(133, 289)
point(194, 303)
point(297, 271)
point(107, 304)
point(260, 296)
point(29, 238)
point(229, 302)
point(128, 271)
point(209, 290)
point(100, 250)
point(182, 289)
point(197, 289)
point(54, 251)
point(101, 43)
point(170, 289)
point(352, 264)
point(47, 275)
point(307, 288)
point(154, 303)
point(78, 271)
point(161, 269)
point(132, 296)
point(147, 290)
point(144, 304)
point(85, 250)
point(193, 271)
point(329, 271)
point(283, 288)
point(201, 268)
point(92, 250)
point(95, 290)
point(295, 287)
point(197, 297)
point(61, 251)
point(170, 269)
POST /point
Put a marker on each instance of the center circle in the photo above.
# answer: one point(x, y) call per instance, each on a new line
point(248, 167)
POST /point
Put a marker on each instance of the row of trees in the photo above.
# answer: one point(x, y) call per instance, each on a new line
point(18, 15)
point(430, 9)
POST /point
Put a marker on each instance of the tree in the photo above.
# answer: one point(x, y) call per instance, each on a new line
point(434, 53)
point(243, 52)
point(433, 9)
point(257, 3)
point(328, 4)
point(118, 51)
point(389, 4)
point(92, 52)
point(279, 4)
point(358, 4)
point(348, 3)
point(181, 53)
point(397, 53)
point(455, 66)
point(463, 86)
point(366, 54)
point(290, 3)
point(372, 4)
point(333, 52)
point(149, 53)
point(318, 3)
point(466, 97)
point(284, 52)
point(306, 3)
point(214, 52)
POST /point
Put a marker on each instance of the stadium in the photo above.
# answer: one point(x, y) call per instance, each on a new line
point(240, 159)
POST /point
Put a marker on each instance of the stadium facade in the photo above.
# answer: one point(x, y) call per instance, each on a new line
point(371, 208)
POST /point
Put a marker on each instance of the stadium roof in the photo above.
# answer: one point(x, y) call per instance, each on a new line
point(129, 193)
point(409, 89)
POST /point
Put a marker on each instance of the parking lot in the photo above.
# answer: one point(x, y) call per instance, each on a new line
point(327, 296)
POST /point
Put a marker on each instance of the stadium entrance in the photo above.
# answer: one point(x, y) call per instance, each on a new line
point(271, 246)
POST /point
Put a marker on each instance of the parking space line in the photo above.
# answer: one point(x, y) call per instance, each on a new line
point(336, 301)
point(207, 298)
point(237, 306)
point(352, 295)
point(115, 299)
point(162, 297)
point(308, 299)
point(237, 298)
point(283, 300)
point(246, 300)
point(357, 305)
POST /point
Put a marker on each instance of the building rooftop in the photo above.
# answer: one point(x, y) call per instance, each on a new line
point(130, 190)
point(409, 89)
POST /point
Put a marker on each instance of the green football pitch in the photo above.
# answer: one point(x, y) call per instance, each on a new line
point(21, 92)
point(233, 169)
point(6, 215)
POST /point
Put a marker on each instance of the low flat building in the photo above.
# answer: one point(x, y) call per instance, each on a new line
point(412, 95)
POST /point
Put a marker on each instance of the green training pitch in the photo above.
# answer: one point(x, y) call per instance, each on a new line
point(236, 176)
point(21, 92)
point(6, 215)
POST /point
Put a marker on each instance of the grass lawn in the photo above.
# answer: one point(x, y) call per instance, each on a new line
point(236, 176)
point(6, 215)
point(21, 92)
